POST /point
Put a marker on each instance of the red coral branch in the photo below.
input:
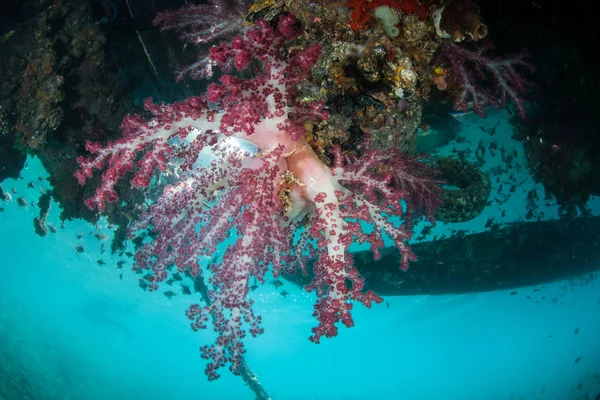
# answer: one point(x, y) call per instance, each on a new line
point(470, 70)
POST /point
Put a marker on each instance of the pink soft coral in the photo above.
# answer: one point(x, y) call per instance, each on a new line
point(323, 204)
point(471, 68)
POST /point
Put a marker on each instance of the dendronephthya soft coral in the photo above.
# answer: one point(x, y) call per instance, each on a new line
point(279, 205)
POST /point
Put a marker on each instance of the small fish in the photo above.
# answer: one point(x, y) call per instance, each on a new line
point(185, 289)
point(170, 281)
point(387, 304)
point(120, 264)
point(177, 277)
point(51, 228)
point(80, 236)
point(169, 294)
point(137, 242)
point(426, 230)
point(577, 360)
point(277, 283)
point(7, 35)
point(100, 262)
point(128, 254)
point(1, 209)
point(14, 191)
point(79, 249)
point(460, 116)
point(576, 331)
point(121, 276)
point(284, 293)
point(22, 202)
point(147, 276)
point(101, 236)
point(199, 286)
point(5, 195)
point(513, 293)
point(143, 284)
point(254, 287)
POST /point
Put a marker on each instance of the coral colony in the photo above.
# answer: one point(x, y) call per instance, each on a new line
point(285, 205)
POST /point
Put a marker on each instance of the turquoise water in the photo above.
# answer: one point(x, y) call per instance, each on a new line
point(73, 329)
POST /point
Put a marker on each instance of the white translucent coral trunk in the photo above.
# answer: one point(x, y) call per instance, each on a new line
point(319, 189)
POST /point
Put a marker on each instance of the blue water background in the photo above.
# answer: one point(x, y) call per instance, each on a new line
point(85, 334)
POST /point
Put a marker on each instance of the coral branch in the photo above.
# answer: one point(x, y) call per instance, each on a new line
point(204, 24)
point(470, 70)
